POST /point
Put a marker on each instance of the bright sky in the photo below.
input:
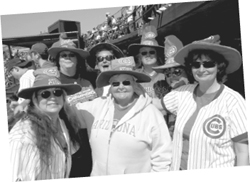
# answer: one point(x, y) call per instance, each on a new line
point(34, 23)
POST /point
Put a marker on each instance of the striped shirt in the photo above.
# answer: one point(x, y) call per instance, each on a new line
point(25, 157)
point(216, 126)
point(26, 81)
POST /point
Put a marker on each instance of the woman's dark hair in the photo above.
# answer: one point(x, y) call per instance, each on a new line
point(83, 70)
point(218, 58)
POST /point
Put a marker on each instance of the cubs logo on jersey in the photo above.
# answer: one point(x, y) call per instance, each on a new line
point(214, 127)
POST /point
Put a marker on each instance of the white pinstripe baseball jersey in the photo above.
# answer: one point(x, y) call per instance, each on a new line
point(26, 81)
point(215, 128)
point(25, 157)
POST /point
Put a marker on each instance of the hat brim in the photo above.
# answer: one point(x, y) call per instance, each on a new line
point(117, 52)
point(230, 54)
point(165, 66)
point(70, 89)
point(134, 48)
point(54, 51)
point(104, 77)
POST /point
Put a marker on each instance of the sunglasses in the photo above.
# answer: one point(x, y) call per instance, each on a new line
point(144, 53)
point(125, 83)
point(108, 58)
point(176, 72)
point(206, 64)
point(71, 55)
point(46, 94)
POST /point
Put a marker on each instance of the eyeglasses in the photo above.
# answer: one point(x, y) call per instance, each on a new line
point(71, 55)
point(46, 94)
point(108, 58)
point(176, 72)
point(144, 53)
point(206, 64)
point(125, 83)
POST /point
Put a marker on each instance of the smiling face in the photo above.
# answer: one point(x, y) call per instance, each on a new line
point(50, 101)
point(122, 88)
point(103, 60)
point(206, 72)
point(148, 56)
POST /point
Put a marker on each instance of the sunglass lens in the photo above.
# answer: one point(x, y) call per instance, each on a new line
point(126, 83)
point(115, 84)
point(209, 64)
point(151, 52)
point(57, 93)
point(144, 53)
point(45, 94)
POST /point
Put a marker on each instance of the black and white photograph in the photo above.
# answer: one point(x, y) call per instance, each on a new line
point(135, 90)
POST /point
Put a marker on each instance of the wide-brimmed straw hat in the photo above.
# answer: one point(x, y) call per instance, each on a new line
point(101, 46)
point(44, 81)
point(67, 45)
point(124, 65)
point(149, 34)
point(212, 43)
point(172, 46)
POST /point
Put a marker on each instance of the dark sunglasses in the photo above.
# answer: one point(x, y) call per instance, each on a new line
point(46, 94)
point(176, 72)
point(108, 58)
point(71, 55)
point(125, 83)
point(144, 53)
point(206, 64)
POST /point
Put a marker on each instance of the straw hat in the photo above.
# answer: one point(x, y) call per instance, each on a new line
point(212, 43)
point(44, 81)
point(124, 65)
point(172, 46)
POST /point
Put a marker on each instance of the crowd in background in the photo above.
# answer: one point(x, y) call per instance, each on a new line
point(132, 18)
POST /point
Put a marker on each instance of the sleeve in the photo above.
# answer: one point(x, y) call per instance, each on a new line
point(161, 144)
point(24, 159)
point(170, 101)
point(85, 112)
point(237, 115)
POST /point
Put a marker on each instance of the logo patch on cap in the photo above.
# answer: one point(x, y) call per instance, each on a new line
point(150, 35)
point(51, 72)
point(147, 42)
point(53, 81)
point(171, 51)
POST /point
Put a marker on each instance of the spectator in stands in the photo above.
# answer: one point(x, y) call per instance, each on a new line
point(100, 59)
point(71, 63)
point(127, 133)
point(149, 54)
point(39, 54)
point(42, 139)
point(21, 71)
point(175, 73)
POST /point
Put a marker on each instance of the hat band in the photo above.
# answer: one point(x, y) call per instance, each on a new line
point(148, 42)
point(123, 69)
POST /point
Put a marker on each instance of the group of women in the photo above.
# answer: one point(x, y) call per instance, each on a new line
point(124, 113)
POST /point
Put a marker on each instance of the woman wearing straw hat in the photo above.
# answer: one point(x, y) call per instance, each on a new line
point(100, 59)
point(127, 133)
point(210, 129)
point(72, 67)
point(41, 138)
point(175, 73)
point(149, 54)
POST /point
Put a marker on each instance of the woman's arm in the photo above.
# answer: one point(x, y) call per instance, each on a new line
point(242, 153)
